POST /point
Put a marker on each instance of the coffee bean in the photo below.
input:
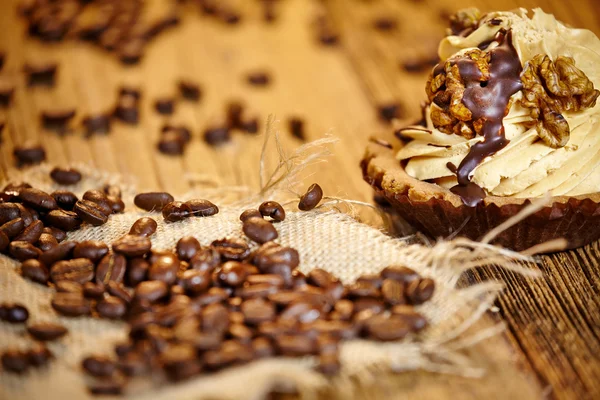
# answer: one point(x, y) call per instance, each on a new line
point(399, 273)
point(132, 51)
point(15, 361)
point(250, 125)
point(251, 213)
point(206, 259)
point(4, 241)
point(233, 273)
point(23, 250)
point(258, 78)
point(393, 292)
point(98, 366)
point(151, 290)
point(69, 287)
point(39, 355)
point(144, 226)
point(93, 250)
point(65, 199)
point(12, 228)
point(14, 313)
point(60, 252)
point(295, 345)
point(127, 109)
point(69, 220)
point(112, 267)
point(131, 91)
point(344, 309)
point(40, 73)
point(37, 199)
point(171, 143)
point(80, 270)
point(32, 233)
point(268, 279)
point(94, 124)
point(111, 307)
point(368, 303)
point(201, 208)
point(46, 242)
point(165, 106)
point(118, 290)
point(363, 289)
point(29, 215)
point(272, 209)
point(301, 311)
point(311, 198)
point(137, 270)
point(116, 204)
point(57, 119)
point(46, 331)
point(195, 281)
point(231, 249)
point(415, 320)
point(257, 310)
point(182, 132)
point(420, 291)
point(259, 230)
point(29, 153)
point(164, 269)
point(296, 127)
point(8, 212)
point(389, 111)
point(152, 201)
point(71, 304)
point(100, 199)
point(385, 23)
point(89, 212)
point(386, 328)
point(132, 245)
point(215, 318)
point(216, 135)
point(187, 247)
point(321, 278)
point(189, 90)
point(93, 290)
point(271, 256)
point(11, 191)
point(35, 271)
point(65, 176)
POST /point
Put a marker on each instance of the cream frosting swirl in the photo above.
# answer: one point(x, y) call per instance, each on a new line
point(527, 166)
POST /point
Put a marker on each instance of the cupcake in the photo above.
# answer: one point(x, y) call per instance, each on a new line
point(511, 115)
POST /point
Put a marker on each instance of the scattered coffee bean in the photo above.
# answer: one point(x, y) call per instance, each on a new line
point(100, 199)
point(69, 287)
point(217, 135)
point(151, 290)
point(251, 213)
point(399, 273)
point(385, 24)
point(89, 212)
point(8, 212)
point(389, 111)
point(46, 242)
point(189, 90)
point(127, 109)
point(250, 125)
point(235, 111)
point(176, 211)
point(386, 328)
point(272, 209)
point(165, 269)
point(187, 247)
point(296, 127)
point(40, 73)
point(57, 119)
point(152, 201)
point(61, 251)
point(71, 304)
point(311, 198)
point(409, 315)
point(132, 51)
point(23, 250)
point(112, 267)
point(201, 208)
point(14, 313)
point(70, 221)
point(195, 281)
point(29, 153)
point(93, 290)
point(171, 143)
point(94, 124)
point(393, 292)
point(39, 355)
point(231, 249)
point(35, 271)
point(111, 307)
point(132, 245)
point(80, 270)
point(13, 228)
point(118, 290)
point(420, 291)
point(258, 78)
point(93, 250)
point(15, 361)
point(46, 331)
point(259, 230)
point(165, 106)
point(32, 233)
point(37, 199)
point(98, 366)
point(137, 270)
point(65, 199)
point(65, 176)
point(144, 226)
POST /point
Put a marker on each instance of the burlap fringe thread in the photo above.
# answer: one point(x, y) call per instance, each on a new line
point(325, 237)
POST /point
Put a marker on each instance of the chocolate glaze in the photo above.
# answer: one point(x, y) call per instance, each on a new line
point(487, 100)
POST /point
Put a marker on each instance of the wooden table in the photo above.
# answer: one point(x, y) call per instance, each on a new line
point(552, 345)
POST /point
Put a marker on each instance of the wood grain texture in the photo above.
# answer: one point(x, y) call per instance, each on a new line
point(551, 347)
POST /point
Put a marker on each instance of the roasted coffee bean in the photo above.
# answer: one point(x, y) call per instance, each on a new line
point(231, 249)
point(263, 290)
point(116, 204)
point(29, 215)
point(295, 345)
point(40, 73)
point(235, 111)
point(151, 290)
point(250, 125)
point(259, 78)
point(98, 366)
point(171, 143)
point(271, 256)
point(388, 112)
point(71, 304)
point(58, 234)
point(131, 91)
point(132, 51)
point(100, 199)
point(393, 292)
point(165, 269)
point(94, 250)
point(296, 127)
point(183, 133)
point(37, 199)
point(201, 208)
point(301, 311)
point(257, 310)
point(12, 228)
point(386, 328)
point(94, 124)
point(165, 106)
point(272, 209)
point(216, 135)
point(60, 252)
point(311, 198)
point(127, 109)
point(111, 307)
point(57, 119)
point(416, 321)
point(14, 313)
point(15, 361)
point(214, 295)
point(262, 347)
point(363, 289)
point(344, 309)
point(206, 259)
point(385, 23)
point(233, 273)
point(112, 267)
point(46, 242)
point(195, 281)
point(89, 212)
point(259, 230)
point(144, 226)
point(35, 271)
point(69, 287)
point(368, 303)
point(251, 213)
point(8, 212)
point(65, 176)
point(4, 241)
point(189, 90)
point(137, 270)
point(187, 247)
point(399, 273)
point(39, 355)
point(23, 250)
point(32, 233)
point(93, 290)
point(80, 270)
point(329, 364)
point(152, 201)
point(118, 290)
point(240, 332)
point(321, 278)
point(29, 153)
point(268, 279)
point(70, 221)
point(11, 191)
point(420, 291)
point(132, 364)
point(215, 318)
point(132, 245)
point(46, 331)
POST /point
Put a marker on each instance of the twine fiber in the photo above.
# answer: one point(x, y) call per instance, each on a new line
point(325, 238)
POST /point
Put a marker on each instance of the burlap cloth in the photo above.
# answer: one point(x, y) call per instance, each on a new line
point(325, 238)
